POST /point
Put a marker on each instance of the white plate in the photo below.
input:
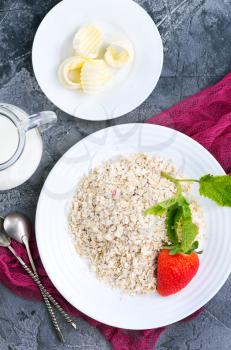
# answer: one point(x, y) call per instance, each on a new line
point(70, 273)
point(131, 85)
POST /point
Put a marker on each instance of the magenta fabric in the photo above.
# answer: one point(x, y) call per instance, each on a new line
point(206, 117)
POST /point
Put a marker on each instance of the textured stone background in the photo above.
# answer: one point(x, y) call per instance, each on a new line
point(196, 36)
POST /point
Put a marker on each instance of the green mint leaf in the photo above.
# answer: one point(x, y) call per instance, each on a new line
point(161, 208)
point(180, 220)
point(181, 231)
point(217, 188)
point(172, 218)
point(179, 217)
point(184, 204)
point(189, 233)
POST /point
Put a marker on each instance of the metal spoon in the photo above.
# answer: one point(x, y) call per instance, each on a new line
point(5, 241)
point(18, 227)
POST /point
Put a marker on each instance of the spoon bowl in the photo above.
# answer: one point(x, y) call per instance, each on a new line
point(17, 226)
point(4, 239)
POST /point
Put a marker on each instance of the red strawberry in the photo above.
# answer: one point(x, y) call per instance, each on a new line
point(174, 272)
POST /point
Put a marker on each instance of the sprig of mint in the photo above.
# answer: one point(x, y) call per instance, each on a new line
point(216, 188)
point(181, 231)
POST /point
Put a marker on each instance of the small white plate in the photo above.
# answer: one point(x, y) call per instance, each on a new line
point(69, 272)
point(130, 86)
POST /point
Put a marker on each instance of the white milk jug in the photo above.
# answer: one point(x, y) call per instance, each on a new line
point(20, 143)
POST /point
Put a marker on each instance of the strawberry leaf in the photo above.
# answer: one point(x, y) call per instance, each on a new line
point(194, 246)
point(175, 250)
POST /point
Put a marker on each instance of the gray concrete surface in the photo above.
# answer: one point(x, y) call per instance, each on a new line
point(197, 52)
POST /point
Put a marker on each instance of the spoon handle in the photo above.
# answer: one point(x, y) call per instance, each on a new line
point(49, 296)
point(59, 307)
point(26, 243)
point(39, 284)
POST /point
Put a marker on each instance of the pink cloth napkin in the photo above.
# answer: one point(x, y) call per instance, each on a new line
point(206, 117)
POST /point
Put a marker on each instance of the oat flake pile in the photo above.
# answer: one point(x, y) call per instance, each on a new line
point(108, 223)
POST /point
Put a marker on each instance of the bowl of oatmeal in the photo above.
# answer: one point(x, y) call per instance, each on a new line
point(96, 244)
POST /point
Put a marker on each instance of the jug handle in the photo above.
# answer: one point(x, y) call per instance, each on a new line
point(42, 120)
